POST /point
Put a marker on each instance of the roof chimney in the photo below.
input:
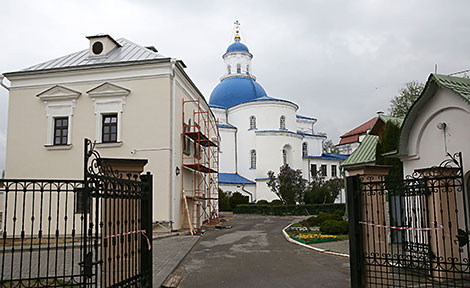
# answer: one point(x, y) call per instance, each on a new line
point(101, 44)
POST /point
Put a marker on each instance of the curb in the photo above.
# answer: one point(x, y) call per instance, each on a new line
point(310, 247)
point(172, 234)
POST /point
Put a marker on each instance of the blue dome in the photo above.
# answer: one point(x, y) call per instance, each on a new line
point(235, 90)
point(237, 46)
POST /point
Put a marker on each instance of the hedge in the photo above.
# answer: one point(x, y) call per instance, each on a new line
point(284, 210)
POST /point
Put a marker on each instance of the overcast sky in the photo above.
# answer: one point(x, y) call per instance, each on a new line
point(341, 61)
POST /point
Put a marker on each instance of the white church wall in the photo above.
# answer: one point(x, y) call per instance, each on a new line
point(267, 113)
point(305, 125)
point(220, 114)
point(314, 145)
point(227, 163)
point(270, 153)
point(263, 192)
point(234, 58)
point(426, 143)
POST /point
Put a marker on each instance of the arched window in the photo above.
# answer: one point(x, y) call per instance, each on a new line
point(229, 68)
point(252, 122)
point(304, 149)
point(239, 68)
point(282, 122)
point(287, 154)
point(248, 69)
point(253, 159)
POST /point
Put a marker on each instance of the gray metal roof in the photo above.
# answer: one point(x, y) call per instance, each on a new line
point(128, 52)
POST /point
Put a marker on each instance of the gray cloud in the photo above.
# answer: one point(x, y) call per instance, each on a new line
point(341, 61)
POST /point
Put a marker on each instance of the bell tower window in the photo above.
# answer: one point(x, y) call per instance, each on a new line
point(239, 68)
point(229, 68)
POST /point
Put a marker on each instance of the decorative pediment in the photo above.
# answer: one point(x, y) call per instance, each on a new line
point(58, 92)
point(108, 90)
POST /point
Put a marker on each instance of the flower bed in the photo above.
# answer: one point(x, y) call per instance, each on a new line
point(308, 236)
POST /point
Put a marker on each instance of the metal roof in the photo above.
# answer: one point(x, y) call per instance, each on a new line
point(128, 52)
point(365, 153)
point(328, 156)
point(353, 135)
point(233, 178)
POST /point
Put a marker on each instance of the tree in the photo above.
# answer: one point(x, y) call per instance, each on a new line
point(388, 143)
point(400, 104)
point(329, 147)
point(321, 191)
point(288, 185)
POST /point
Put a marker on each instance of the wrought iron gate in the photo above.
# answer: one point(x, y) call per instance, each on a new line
point(412, 232)
point(77, 233)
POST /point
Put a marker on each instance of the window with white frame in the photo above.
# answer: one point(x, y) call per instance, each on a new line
point(60, 104)
point(61, 127)
point(282, 122)
point(253, 159)
point(108, 100)
point(304, 149)
point(229, 68)
point(284, 156)
point(252, 122)
point(239, 68)
point(334, 171)
point(323, 170)
point(187, 140)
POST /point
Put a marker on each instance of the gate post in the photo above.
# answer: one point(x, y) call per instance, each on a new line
point(147, 216)
point(353, 190)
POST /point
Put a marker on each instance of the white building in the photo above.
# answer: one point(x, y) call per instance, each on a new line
point(260, 133)
point(436, 124)
point(142, 97)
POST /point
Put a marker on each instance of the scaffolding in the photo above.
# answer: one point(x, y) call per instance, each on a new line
point(200, 161)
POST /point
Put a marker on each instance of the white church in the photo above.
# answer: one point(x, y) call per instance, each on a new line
point(260, 133)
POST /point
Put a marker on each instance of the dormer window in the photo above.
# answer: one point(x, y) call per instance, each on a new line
point(101, 44)
point(97, 48)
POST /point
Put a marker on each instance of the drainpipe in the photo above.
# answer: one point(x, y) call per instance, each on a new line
point(1, 82)
point(173, 143)
point(246, 191)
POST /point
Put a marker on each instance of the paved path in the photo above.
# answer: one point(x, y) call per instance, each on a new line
point(254, 253)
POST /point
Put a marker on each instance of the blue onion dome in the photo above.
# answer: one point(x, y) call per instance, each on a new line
point(236, 90)
point(237, 47)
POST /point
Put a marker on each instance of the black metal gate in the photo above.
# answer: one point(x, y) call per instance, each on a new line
point(94, 232)
point(412, 232)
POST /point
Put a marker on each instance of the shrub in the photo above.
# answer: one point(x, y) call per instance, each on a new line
point(237, 198)
point(262, 202)
point(283, 210)
point(339, 212)
point(334, 227)
point(224, 201)
point(276, 202)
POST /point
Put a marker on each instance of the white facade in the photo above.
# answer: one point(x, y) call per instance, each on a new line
point(144, 93)
point(260, 133)
point(424, 140)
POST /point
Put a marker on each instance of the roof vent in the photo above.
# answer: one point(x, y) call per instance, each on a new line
point(101, 44)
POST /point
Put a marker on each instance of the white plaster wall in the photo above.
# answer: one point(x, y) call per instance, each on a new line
point(220, 114)
point(263, 192)
point(270, 152)
point(227, 163)
point(306, 126)
point(314, 145)
point(426, 144)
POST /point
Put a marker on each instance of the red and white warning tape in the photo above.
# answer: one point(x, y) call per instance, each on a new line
point(401, 227)
point(132, 232)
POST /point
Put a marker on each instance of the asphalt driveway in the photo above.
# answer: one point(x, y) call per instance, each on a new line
point(254, 253)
